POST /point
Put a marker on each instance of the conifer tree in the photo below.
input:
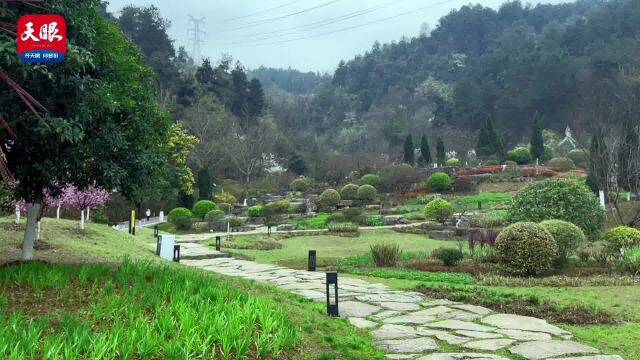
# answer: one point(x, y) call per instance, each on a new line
point(425, 150)
point(409, 155)
point(440, 152)
point(537, 141)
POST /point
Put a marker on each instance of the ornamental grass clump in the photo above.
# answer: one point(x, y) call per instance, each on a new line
point(385, 255)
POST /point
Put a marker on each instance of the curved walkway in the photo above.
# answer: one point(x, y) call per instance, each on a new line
point(407, 325)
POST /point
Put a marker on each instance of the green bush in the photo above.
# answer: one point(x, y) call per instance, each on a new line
point(622, 237)
point(565, 200)
point(302, 183)
point(439, 182)
point(453, 162)
point(568, 237)
point(329, 198)
point(214, 215)
point(491, 162)
point(255, 211)
point(349, 192)
point(373, 220)
point(449, 256)
point(275, 208)
point(225, 207)
point(99, 216)
point(510, 163)
point(520, 155)
point(385, 255)
point(236, 222)
point(630, 261)
point(370, 179)
point(351, 213)
point(439, 209)
point(526, 248)
point(181, 218)
point(580, 157)
point(225, 197)
point(335, 218)
point(561, 163)
point(343, 228)
point(202, 207)
point(367, 193)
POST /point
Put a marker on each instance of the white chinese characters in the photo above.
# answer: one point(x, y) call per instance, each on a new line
point(47, 32)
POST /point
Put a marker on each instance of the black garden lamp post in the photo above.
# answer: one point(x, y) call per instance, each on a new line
point(156, 231)
point(332, 301)
point(176, 253)
point(312, 260)
point(218, 243)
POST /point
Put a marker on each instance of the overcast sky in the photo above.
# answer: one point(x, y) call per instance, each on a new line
point(260, 32)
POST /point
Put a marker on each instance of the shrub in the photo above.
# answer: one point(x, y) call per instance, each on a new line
point(236, 221)
point(491, 162)
point(214, 215)
point(622, 237)
point(343, 228)
point(464, 184)
point(562, 200)
point(449, 256)
point(329, 198)
point(520, 155)
point(561, 163)
point(453, 162)
point(99, 216)
point(349, 192)
point(352, 213)
point(568, 237)
point(526, 248)
point(439, 182)
point(225, 207)
point(300, 184)
point(367, 193)
point(374, 220)
point(225, 197)
point(202, 207)
point(275, 208)
point(630, 261)
point(510, 163)
point(181, 218)
point(385, 255)
point(428, 198)
point(370, 179)
point(335, 218)
point(255, 211)
point(439, 210)
point(580, 157)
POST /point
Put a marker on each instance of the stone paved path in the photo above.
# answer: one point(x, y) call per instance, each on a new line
point(407, 325)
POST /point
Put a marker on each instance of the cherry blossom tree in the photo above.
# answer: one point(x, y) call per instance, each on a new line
point(85, 199)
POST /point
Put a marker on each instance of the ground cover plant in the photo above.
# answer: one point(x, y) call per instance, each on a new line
point(486, 199)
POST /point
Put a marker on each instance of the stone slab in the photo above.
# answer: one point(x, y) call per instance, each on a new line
point(462, 356)
point(393, 331)
point(489, 344)
point(526, 323)
point(357, 309)
point(460, 325)
point(538, 350)
point(362, 323)
point(524, 335)
point(478, 334)
point(417, 345)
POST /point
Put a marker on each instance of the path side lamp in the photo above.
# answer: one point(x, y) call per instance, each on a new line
point(332, 301)
point(312, 260)
point(176, 253)
point(218, 243)
point(156, 231)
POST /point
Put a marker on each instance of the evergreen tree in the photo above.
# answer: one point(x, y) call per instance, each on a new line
point(483, 148)
point(409, 155)
point(440, 152)
point(598, 164)
point(255, 98)
point(425, 150)
point(204, 184)
point(537, 141)
point(297, 164)
point(627, 149)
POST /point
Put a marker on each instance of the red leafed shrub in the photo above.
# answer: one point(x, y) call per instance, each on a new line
point(533, 171)
point(487, 169)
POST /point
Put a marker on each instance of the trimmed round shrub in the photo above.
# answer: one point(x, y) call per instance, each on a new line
point(622, 237)
point(370, 179)
point(275, 208)
point(580, 157)
point(439, 210)
point(367, 193)
point(561, 163)
point(202, 207)
point(214, 215)
point(510, 163)
point(351, 213)
point(329, 198)
point(181, 218)
point(225, 207)
point(568, 237)
point(255, 211)
point(301, 184)
point(439, 182)
point(225, 197)
point(236, 221)
point(449, 256)
point(566, 200)
point(526, 248)
point(349, 192)
point(464, 183)
point(453, 162)
point(335, 218)
point(520, 155)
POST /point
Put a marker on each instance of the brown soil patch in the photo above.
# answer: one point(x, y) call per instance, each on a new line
point(12, 227)
point(38, 245)
point(33, 303)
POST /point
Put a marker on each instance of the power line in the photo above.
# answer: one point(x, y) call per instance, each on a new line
point(351, 27)
point(197, 38)
point(259, 12)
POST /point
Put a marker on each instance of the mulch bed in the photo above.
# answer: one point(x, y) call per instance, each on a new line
point(38, 245)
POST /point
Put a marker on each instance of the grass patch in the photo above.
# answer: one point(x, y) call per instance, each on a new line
point(365, 259)
point(488, 200)
point(404, 274)
point(316, 222)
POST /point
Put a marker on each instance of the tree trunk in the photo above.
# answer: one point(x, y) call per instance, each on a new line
point(58, 213)
point(81, 219)
point(38, 230)
point(33, 212)
point(17, 215)
point(246, 186)
point(88, 218)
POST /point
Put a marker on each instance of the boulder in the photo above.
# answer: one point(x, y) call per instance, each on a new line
point(287, 227)
point(392, 219)
point(372, 207)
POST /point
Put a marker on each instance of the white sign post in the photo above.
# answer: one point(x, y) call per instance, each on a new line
point(166, 246)
point(601, 196)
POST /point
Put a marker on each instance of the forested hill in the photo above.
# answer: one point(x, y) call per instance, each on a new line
point(290, 80)
point(562, 61)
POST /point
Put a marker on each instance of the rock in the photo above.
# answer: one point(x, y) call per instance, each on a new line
point(362, 323)
point(357, 309)
point(474, 309)
point(460, 315)
point(287, 227)
point(392, 219)
point(478, 334)
point(389, 331)
point(524, 335)
point(441, 234)
point(256, 220)
point(592, 357)
point(417, 345)
point(526, 323)
point(489, 344)
point(452, 339)
point(372, 207)
point(380, 297)
point(438, 310)
point(385, 314)
point(400, 306)
point(400, 356)
point(462, 356)
point(460, 325)
point(345, 203)
point(409, 319)
point(440, 303)
point(537, 350)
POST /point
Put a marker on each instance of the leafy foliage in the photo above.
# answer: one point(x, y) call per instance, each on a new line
point(561, 163)
point(255, 211)
point(181, 218)
point(202, 208)
point(448, 256)
point(622, 237)
point(409, 154)
point(385, 255)
point(439, 182)
point(453, 162)
point(526, 248)
point(301, 183)
point(276, 208)
point(580, 158)
point(349, 192)
point(370, 179)
point(537, 141)
point(367, 193)
point(225, 197)
point(329, 198)
point(439, 209)
point(214, 215)
point(335, 218)
point(568, 237)
point(519, 155)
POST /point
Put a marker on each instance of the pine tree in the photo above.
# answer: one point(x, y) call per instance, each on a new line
point(255, 98)
point(297, 164)
point(627, 149)
point(537, 141)
point(483, 148)
point(409, 155)
point(425, 150)
point(440, 152)
point(204, 184)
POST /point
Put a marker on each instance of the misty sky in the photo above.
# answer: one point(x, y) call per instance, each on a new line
point(258, 32)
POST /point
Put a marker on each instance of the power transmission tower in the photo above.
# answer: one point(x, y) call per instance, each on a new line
point(197, 37)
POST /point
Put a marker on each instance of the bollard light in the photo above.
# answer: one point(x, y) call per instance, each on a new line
point(132, 223)
point(332, 301)
point(176, 253)
point(312, 260)
point(217, 243)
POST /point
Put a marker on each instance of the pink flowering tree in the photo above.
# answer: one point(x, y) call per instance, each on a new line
point(54, 202)
point(84, 200)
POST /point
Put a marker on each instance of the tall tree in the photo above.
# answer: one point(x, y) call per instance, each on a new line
point(204, 184)
point(537, 141)
point(425, 150)
point(297, 164)
point(629, 145)
point(440, 152)
point(239, 105)
point(255, 98)
point(484, 148)
point(409, 151)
